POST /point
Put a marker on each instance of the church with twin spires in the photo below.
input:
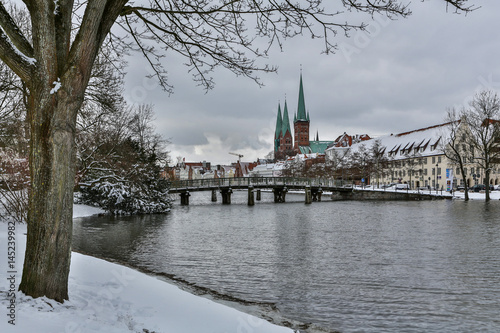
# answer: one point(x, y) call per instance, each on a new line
point(287, 145)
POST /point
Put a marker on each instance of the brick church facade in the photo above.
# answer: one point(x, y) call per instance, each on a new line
point(287, 145)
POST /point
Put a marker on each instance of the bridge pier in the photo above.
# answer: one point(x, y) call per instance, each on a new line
point(214, 196)
point(279, 194)
point(251, 200)
point(226, 195)
point(316, 194)
point(308, 195)
point(185, 198)
point(258, 195)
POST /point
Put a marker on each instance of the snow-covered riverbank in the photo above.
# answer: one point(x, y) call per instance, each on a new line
point(106, 297)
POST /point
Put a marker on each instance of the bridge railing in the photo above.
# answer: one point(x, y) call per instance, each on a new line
point(255, 181)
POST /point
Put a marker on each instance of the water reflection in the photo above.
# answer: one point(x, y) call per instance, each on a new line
point(347, 266)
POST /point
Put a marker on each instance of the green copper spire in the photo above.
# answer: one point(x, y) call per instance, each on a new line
point(301, 109)
point(279, 123)
point(286, 121)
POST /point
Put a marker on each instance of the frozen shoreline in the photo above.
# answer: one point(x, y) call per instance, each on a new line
point(107, 297)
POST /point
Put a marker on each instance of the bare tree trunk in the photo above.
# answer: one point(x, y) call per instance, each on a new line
point(50, 215)
point(487, 183)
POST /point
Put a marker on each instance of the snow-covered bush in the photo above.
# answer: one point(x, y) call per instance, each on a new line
point(125, 182)
point(126, 197)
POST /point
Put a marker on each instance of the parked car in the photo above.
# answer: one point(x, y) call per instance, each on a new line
point(481, 187)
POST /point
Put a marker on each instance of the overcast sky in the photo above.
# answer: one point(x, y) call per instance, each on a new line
point(400, 77)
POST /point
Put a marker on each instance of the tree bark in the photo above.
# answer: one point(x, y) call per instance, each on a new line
point(50, 215)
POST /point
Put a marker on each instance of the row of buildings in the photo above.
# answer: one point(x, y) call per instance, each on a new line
point(205, 170)
point(418, 158)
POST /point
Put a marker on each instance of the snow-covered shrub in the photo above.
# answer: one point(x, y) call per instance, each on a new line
point(126, 182)
point(126, 197)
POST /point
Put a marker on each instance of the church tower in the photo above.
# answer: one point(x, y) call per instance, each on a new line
point(301, 121)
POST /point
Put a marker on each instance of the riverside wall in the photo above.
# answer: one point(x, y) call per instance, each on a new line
point(383, 195)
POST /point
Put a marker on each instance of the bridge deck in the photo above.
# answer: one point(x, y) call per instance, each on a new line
point(255, 182)
point(325, 185)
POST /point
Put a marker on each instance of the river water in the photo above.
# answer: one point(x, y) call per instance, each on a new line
point(423, 266)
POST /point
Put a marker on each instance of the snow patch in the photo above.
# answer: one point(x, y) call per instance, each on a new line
point(31, 61)
point(84, 210)
point(57, 86)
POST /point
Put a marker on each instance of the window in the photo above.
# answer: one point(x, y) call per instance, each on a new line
point(425, 172)
point(458, 172)
point(439, 171)
point(433, 171)
point(439, 159)
point(433, 159)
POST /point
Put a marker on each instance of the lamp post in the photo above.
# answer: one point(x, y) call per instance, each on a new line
point(437, 179)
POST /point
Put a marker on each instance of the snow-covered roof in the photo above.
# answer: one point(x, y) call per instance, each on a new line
point(420, 142)
point(303, 157)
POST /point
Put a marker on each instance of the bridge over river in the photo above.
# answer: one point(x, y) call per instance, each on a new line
point(313, 189)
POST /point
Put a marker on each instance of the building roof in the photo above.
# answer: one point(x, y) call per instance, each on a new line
point(315, 147)
point(420, 142)
point(286, 121)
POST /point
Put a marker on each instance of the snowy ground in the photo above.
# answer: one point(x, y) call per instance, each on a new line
point(105, 297)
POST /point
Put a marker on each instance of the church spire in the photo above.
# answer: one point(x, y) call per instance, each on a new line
point(301, 108)
point(277, 133)
point(286, 121)
point(279, 123)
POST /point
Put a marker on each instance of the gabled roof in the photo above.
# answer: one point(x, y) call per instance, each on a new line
point(420, 142)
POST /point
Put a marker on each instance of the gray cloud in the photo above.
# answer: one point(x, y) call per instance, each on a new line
point(402, 76)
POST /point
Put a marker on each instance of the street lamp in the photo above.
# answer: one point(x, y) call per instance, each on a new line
point(437, 178)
